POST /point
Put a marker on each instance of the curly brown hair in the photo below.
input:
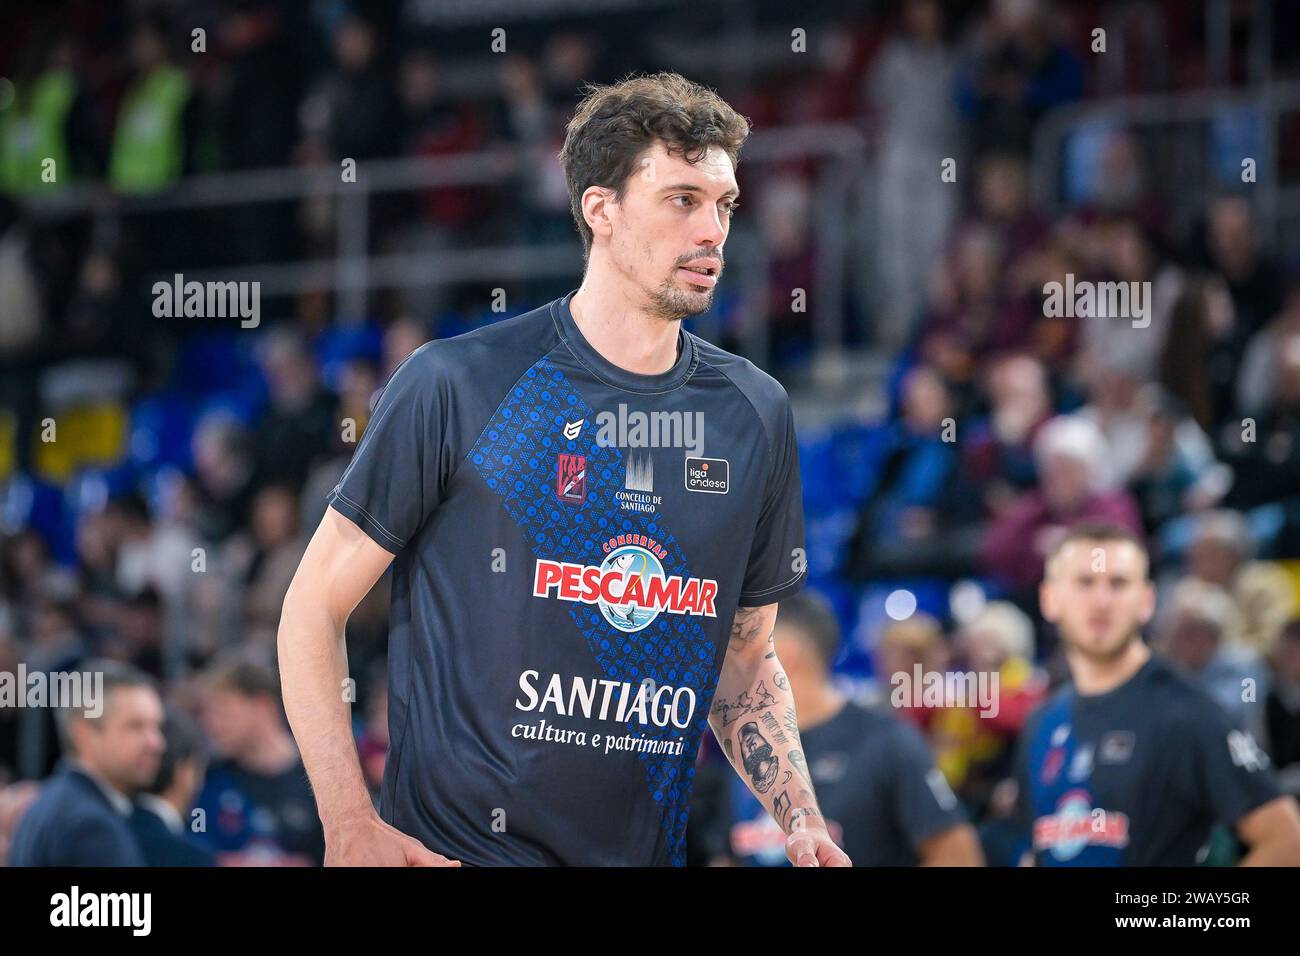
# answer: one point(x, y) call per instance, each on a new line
point(615, 124)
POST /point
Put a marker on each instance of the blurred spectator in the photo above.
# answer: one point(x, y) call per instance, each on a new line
point(21, 317)
point(15, 800)
point(51, 118)
point(910, 88)
point(264, 560)
point(223, 463)
point(1220, 546)
point(156, 133)
point(1282, 709)
point(999, 455)
point(918, 475)
point(1178, 472)
point(905, 646)
point(256, 799)
point(160, 815)
point(361, 98)
point(884, 800)
point(1071, 455)
point(1233, 248)
point(1194, 633)
point(1016, 69)
point(301, 422)
point(80, 817)
point(976, 750)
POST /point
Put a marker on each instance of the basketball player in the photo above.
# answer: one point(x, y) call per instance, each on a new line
point(591, 515)
point(1133, 765)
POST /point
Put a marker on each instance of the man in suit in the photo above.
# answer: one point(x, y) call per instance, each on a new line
point(112, 749)
point(159, 818)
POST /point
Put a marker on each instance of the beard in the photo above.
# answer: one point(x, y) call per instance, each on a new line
point(1102, 654)
point(671, 302)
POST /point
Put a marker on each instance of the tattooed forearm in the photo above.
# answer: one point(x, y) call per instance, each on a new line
point(774, 728)
point(760, 763)
point(791, 723)
point(749, 626)
point(797, 761)
point(732, 710)
point(781, 808)
point(753, 717)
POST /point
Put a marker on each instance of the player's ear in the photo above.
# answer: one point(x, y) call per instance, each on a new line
point(596, 207)
point(1047, 601)
point(1148, 602)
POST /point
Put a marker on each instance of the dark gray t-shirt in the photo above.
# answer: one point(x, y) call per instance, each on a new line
point(878, 787)
point(565, 579)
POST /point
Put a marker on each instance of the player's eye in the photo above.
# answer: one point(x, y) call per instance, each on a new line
point(731, 208)
point(689, 200)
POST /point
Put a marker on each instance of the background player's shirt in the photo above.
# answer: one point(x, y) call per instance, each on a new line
point(1137, 776)
point(878, 787)
point(565, 579)
point(261, 818)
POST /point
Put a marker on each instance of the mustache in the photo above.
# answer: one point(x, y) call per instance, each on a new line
point(722, 262)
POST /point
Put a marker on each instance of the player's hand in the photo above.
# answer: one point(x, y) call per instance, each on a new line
point(810, 845)
point(369, 841)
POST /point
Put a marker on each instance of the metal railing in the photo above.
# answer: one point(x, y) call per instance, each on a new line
point(353, 272)
point(1192, 115)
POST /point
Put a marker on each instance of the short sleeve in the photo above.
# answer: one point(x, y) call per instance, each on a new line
point(1231, 770)
point(778, 561)
point(396, 476)
point(924, 803)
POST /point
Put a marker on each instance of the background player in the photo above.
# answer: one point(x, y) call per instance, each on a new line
point(885, 800)
point(1132, 765)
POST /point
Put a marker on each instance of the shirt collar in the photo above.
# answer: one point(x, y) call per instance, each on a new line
point(118, 801)
point(162, 810)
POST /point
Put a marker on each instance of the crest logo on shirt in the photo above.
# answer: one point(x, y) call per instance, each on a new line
point(640, 473)
point(1076, 824)
point(1081, 764)
point(573, 429)
point(629, 587)
point(1116, 747)
point(571, 478)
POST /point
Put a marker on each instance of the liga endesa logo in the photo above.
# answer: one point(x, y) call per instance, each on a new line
point(629, 586)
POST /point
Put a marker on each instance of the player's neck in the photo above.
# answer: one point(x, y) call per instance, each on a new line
point(621, 331)
point(269, 753)
point(1094, 676)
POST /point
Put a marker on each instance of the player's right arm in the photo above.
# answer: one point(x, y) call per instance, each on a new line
point(340, 566)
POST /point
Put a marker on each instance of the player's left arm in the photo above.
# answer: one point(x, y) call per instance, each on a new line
point(1273, 834)
point(753, 718)
point(1235, 774)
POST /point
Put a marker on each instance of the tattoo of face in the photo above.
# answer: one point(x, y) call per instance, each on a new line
point(732, 710)
point(760, 763)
